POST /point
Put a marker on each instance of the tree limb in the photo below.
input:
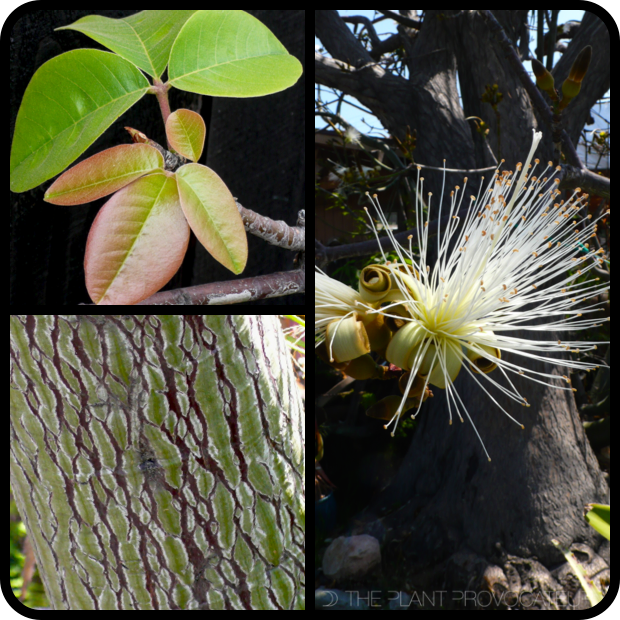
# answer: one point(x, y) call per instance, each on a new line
point(401, 19)
point(572, 178)
point(277, 284)
point(588, 181)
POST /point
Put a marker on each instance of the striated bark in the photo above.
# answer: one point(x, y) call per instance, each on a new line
point(158, 460)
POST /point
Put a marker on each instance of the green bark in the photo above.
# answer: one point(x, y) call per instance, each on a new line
point(158, 460)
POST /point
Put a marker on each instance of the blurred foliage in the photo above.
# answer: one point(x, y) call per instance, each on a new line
point(35, 595)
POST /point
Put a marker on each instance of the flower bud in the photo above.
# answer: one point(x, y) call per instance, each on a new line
point(570, 89)
point(580, 66)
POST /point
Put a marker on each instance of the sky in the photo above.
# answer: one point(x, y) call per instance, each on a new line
point(362, 119)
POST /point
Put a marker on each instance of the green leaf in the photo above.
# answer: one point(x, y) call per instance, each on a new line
point(212, 214)
point(137, 242)
point(186, 132)
point(104, 173)
point(230, 54)
point(597, 516)
point(70, 101)
point(594, 595)
point(143, 39)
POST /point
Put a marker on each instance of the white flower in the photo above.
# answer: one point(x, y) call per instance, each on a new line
point(504, 267)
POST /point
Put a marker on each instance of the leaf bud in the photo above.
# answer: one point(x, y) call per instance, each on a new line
point(572, 84)
point(544, 79)
point(580, 66)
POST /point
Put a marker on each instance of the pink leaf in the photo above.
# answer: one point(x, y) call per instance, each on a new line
point(137, 242)
point(104, 173)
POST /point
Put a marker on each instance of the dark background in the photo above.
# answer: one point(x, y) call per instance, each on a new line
point(256, 145)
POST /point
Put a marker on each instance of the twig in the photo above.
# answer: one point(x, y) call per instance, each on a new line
point(589, 181)
point(275, 232)
point(401, 19)
point(532, 90)
point(513, 59)
point(277, 284)
point(172, 161)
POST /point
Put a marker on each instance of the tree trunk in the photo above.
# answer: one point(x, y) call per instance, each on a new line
point(451, 45)
point(158, 460)
point(491, 526)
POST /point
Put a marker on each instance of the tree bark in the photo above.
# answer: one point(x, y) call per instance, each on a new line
point(158, 460)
